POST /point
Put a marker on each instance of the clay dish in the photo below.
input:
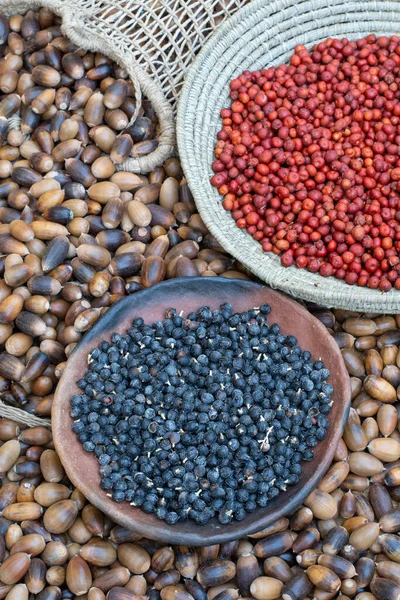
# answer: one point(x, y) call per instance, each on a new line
point(187, 295)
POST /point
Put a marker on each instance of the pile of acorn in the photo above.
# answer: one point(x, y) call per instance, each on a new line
point(343, 543)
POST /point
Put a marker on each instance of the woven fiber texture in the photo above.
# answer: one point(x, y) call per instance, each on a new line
point(86, 24)
point(259, 35)
point(21, 416)
point(165, 35)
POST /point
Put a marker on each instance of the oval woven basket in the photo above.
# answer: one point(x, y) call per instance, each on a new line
point(259, 35)
point(86, 24)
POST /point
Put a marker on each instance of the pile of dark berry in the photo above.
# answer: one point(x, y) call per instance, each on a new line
point(199, 417)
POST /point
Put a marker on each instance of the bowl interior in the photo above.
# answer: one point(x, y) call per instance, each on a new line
point(187, 295)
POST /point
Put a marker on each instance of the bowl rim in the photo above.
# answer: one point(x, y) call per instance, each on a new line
point(278, 18)
point(216, 533)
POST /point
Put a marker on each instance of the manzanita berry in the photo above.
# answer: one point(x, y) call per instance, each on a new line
point(308, 159)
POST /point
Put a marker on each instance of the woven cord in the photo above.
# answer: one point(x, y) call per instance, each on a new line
point(21, 416)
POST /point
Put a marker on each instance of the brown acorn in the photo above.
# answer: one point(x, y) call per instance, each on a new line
point(266, 588)
point(60, 516)
point(99, 553)
point(78, 576)
point(216, 572)
point(14, 568)
point(134, 557)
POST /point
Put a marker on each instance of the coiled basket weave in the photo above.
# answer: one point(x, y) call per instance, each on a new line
point(259, 35)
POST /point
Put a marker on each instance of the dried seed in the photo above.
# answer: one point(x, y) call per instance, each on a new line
point(162, 559)
point(386, 449)
point(14, 568)
point(94, 255)
point(9, 454)
point(363, 537)
point(323, 578)
point(116, 577)
point(47, 494)
point(266, 588)
point(322, 504)
point(380, 500)
point(335, 476)
point(273, 545)
point(353, 362)
point(364, 464)
point(335, 540)
point(22, 511)
point(380, 389)
point(153, 271)
point(35, 576)
point(389, 570)
point(11, 367)
point(392, 477)
point(60, 516)
point(306, 539)
point(216, 572)
point(55, 553)
point(32, 544)
point(122, 593)
point(385, 589)
point(339, 565)
point(297, 588)
point(373, 362)
point(99, 553)
point(78, 576)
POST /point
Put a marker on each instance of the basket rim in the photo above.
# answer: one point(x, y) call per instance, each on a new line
point(195, 151)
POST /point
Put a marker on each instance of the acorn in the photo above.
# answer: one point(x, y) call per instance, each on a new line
point(9, 454)
point(247, 570)
point(297, 587)
point(341, 566)
point(216, 572)
point(323, 578)
point(266, 588)
point(47, 494)
point(93, 519)
point(385, 589)
point(115, 577)
point(122, 593)
point(32, 544)
point(335, 540)
point(363, 537)
point(14, 568)
point(380, 500)
point(162, 559)
point(11, 367)
point(30, 324)
point(44, 285)
point(134, 557)
point(55, 553)
point(59, 517)
point(22, 511)
point(94, 255)
point(35, 367)
point(99, 553)
point(365, 568)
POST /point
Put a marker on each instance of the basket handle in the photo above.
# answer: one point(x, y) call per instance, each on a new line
point(21, 416)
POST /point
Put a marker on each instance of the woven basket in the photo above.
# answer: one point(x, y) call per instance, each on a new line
point(258, 35)
point(84, 23)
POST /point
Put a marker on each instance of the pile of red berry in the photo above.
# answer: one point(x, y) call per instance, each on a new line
point(308, 159)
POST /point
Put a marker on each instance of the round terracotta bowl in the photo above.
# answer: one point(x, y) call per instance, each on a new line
point(189, 294)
